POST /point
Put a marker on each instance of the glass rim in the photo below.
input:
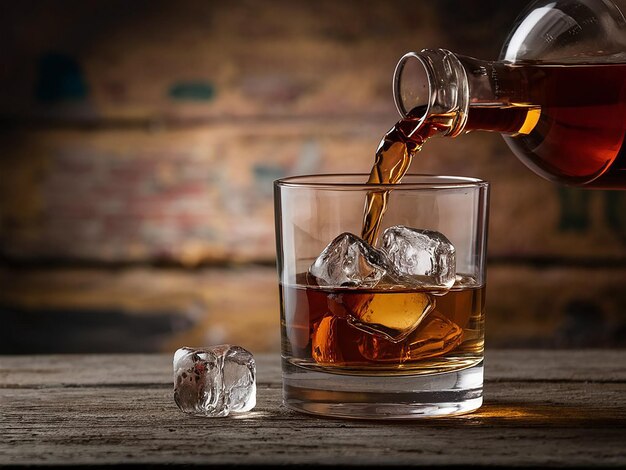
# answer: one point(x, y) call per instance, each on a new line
point(429, 182)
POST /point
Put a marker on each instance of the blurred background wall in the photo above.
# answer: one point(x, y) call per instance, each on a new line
point(139, 141)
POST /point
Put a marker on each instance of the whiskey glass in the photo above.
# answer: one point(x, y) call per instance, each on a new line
point(383, 351)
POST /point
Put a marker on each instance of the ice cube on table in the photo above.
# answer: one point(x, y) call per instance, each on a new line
point(348, 261)
point(214, 381)
point(420, 257)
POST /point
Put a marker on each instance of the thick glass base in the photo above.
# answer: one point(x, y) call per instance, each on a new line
point(383, 396)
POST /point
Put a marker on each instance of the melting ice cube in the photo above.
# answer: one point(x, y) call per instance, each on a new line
point(214, 381)
point(420, 257)
point(348, 261)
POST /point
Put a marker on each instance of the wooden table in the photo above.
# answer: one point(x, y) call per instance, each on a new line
point(557, 408)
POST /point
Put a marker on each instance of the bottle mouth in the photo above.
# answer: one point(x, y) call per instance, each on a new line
point(412, 92)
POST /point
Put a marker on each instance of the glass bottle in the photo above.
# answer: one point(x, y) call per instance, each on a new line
point(557, 94)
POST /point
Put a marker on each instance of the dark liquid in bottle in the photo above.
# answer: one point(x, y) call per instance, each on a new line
point(565, 122)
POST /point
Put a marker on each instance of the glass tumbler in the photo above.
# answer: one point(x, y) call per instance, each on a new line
point(378, 335)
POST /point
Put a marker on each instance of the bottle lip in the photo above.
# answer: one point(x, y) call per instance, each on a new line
point(397, 74)
point(438, 86)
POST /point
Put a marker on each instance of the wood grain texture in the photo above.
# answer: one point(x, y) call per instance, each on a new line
point(562, 408)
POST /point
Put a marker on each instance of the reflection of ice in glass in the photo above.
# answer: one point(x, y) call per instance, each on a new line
point(420, 257)
point(348, 261)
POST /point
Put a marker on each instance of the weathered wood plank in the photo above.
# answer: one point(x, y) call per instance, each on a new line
point(522, 423)
point(571, 365)
point(593, 365)
point(132, 426)
point(106, 370)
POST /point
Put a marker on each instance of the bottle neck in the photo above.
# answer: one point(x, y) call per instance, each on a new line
point(432, 84)
point(459, 94)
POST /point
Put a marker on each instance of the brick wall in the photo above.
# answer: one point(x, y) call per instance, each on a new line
point(143, 133)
